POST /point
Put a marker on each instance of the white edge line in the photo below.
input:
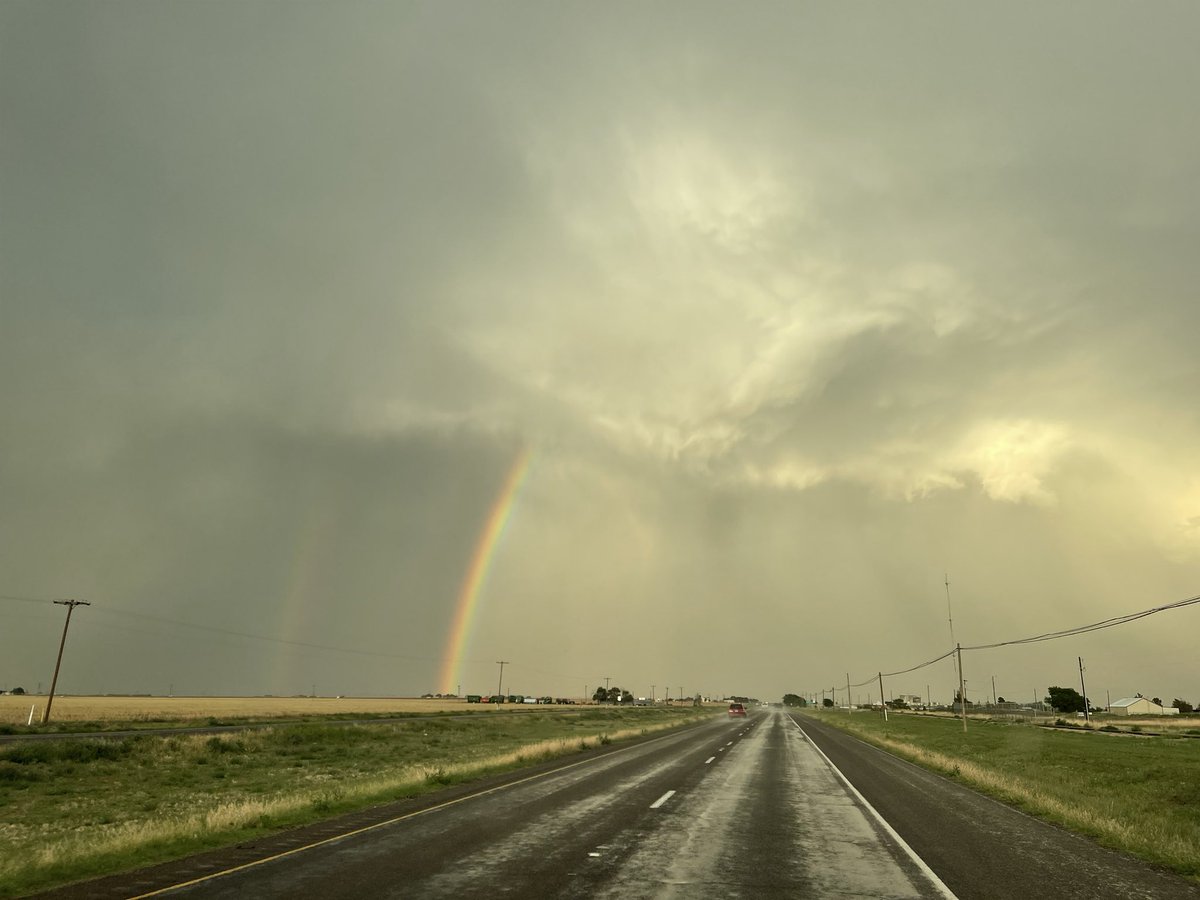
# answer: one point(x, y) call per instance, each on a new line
point(912, 854)
point(661, 800)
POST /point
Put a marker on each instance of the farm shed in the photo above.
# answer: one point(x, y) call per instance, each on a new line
point(1139, 706)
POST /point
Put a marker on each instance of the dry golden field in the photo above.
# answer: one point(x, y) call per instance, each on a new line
point(1149, 723)
point(14, 710)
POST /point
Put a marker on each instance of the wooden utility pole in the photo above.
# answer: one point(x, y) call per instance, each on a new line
point(500, 687)
point(70, 605)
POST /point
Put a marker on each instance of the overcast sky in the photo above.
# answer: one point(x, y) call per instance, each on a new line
point(795, 307)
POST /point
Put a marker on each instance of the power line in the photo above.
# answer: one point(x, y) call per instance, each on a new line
point(1049, 636)
point(1095, 626)
point(231, 632)
point(38, 601)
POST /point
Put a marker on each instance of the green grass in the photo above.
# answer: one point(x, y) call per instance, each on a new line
point(152, 723)
point(1136, 794)
point(79, 808)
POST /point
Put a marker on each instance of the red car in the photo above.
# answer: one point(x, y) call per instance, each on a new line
point(736, 709)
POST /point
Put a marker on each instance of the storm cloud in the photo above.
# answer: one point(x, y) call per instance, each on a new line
point(796, 309)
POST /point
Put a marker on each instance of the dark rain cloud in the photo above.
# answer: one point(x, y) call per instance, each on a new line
point(796, 308)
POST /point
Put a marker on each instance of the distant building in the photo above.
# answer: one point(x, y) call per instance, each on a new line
point(1140, 706)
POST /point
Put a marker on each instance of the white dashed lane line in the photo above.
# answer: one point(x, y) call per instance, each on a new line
point(710, 759)
point(661, 800)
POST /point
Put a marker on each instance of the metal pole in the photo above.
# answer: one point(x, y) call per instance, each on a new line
point(962, 688)
point(994, 700)
point(882, 701)
point(849, 705)
point(70, 605)
point(1087, 715)
point(949, 614)
point(958, 658)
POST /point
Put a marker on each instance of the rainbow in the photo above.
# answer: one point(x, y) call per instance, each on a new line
point(481, 560)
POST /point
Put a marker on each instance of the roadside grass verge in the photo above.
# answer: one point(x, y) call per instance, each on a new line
point(1139, 795)
point(88, 807)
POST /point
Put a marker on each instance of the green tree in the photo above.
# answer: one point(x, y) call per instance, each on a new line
point(1065, 699)
point(897, 703)
point(1157, 700)
point(794, 700)
point(600, 695)
point(827, 703)
point(1182, 705)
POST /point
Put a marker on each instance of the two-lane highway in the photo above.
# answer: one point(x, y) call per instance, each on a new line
point(768, 806)
point(730, 808)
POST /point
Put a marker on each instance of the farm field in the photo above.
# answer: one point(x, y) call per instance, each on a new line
point(1130, 792)
point(14, 710)
point(90, 806)
point(1168, 724)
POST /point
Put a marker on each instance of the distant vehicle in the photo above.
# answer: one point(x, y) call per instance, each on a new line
point(736, 709)
point(475, 698)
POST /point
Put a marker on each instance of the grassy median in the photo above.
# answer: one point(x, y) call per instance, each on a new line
point(1129, 792)
point(78, 808)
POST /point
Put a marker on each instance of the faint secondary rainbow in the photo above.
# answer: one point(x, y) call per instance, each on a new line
point(481, 561)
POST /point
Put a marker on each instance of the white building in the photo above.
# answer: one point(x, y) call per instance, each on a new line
point(1140, 706)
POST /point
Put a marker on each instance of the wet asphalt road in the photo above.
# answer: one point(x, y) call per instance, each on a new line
point(742, 808)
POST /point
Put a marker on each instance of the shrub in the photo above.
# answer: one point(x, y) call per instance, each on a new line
point(11, 773)
point(217, 744)
point(66, 751)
